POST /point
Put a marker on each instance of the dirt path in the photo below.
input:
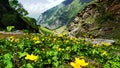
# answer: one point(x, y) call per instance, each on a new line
point(4, 34)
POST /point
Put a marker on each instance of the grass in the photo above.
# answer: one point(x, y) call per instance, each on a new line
point(60, 30)
point(45, 30)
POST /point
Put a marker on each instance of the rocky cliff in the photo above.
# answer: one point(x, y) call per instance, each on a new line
point(100, 19)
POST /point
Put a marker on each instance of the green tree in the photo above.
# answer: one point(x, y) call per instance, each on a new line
point(18, 7)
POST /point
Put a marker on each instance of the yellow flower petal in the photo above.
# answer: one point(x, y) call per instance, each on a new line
point(77, 60)
point(12, 38)
point(82, 63)
point(72, 64)
point(37, 42)
point(27, 57)
point(104, 53)
point(31, 57)
point(75, 65)
point(35, 38)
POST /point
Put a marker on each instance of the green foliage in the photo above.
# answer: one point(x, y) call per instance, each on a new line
point(18, 7)
point(104, 17)
point(12, 13)
point(10, 28)
point(26, 31)
point(9, 19)
point(55, 52)
point(30, 21)
point(60, 29)
point(45, 30)
point(7, 60)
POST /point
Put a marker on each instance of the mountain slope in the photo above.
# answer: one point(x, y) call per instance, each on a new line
point(61, 14)
point(100, 19)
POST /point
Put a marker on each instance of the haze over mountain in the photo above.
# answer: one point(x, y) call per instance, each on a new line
point(61, 14)
point(35, 8)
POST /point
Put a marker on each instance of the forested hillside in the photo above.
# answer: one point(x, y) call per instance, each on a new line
point(13, 14)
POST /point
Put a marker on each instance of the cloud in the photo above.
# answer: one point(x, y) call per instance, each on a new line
point(36, 7)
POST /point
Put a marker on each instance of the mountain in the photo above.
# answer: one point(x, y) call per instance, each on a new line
point(99, 19)
point(61, 14)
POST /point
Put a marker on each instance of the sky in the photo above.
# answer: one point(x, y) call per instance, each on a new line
point(36, 7)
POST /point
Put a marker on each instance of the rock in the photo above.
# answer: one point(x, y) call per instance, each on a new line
point(98, 15)
point(98, 41)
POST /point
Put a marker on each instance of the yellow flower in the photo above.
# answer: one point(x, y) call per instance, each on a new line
point(71, 38)
point(77, 42)
point(81, 62)
point(55, 39)
point(66, 41)
point(59, 49)
point(78, 63)
point(106, 43)
point(37, 42)
point(65, 33)
point(31, 57)
point(35, 38)
point(75, 65)
point(12, 38)
point(104, 53)
point(60, 35)
point(95, 45)
point(43, 39)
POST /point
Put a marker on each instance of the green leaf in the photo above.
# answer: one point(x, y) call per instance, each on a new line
point(20, 45)
point(9, 28)
point(49, 61)
point(9, 64)
point(74, 48)
point(56, 53)
point(66, 56)
point(55, 58)
point(29, 66)
point(56, 64)
point(22, 54)
point(7, 60)
point(7, 56)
